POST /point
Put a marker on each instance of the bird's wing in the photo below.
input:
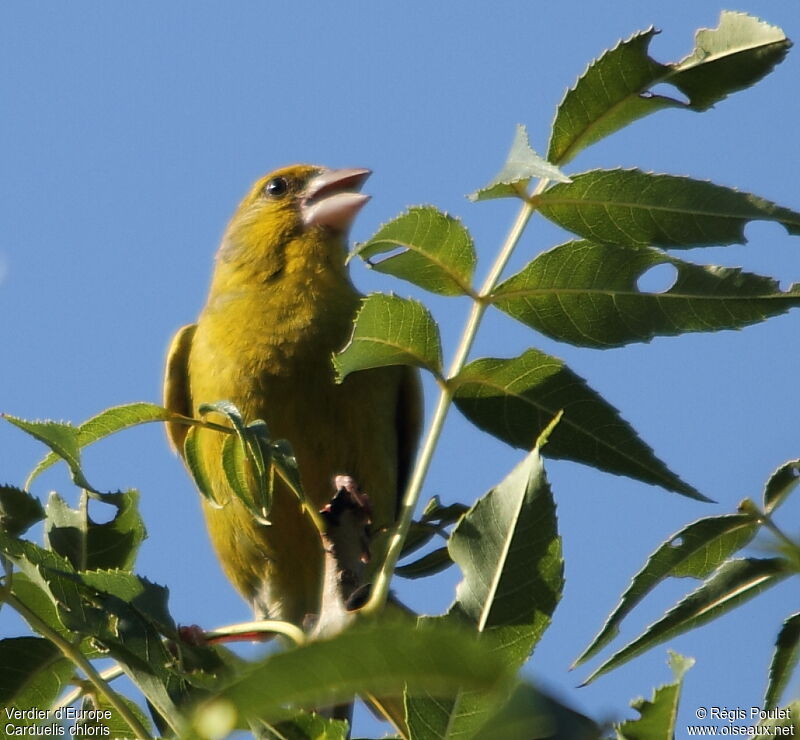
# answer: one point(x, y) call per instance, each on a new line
point(177, 394)
point(409, 425)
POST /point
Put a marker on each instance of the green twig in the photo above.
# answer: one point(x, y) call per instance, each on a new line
point(380, 588)
point(72, 653)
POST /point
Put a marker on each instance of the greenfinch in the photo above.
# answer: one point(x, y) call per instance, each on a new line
point(281, 303)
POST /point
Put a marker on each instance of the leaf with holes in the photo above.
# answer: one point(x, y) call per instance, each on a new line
point(586, 294)
point(735, 582)
point(516, 399)
point(391, 331)
point(695, 551)
point(636, 209)
point(522, 165)
point(425, 247)
point(617, 89)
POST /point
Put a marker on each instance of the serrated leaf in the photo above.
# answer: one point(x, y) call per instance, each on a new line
point(780, 484)
point(104, 424)
point(437, 251)
point(18, 510)
point(731, 57)
point(522, 165)
point(376, 659)
point(509, 552)
point(658, 717)
point(62, 439)
point(33, 672)
point(617, 88)
point(515, 399)
point(636, 209)
point(785, 660)
point(735, 582)
point(694, 551)
point(312, 726)
point(65, 531)
point(391, 331)
point(429, 564)
point(586, 294)
point(55, 576)
point(37, 601)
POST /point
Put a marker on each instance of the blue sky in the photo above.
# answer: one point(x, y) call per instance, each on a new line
point(129, 133)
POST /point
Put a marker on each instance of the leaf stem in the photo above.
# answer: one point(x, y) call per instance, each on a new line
point(293, 633)
point(72, 653)
point(380, 587)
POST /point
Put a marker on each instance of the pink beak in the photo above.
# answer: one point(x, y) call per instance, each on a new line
point(332, 199)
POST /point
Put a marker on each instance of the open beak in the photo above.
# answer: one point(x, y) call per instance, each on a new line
point(332, 199)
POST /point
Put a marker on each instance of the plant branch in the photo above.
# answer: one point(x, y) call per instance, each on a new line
point(380, 588)
point(72, 653)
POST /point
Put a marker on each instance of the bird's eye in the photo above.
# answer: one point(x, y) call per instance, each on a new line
point(276, 187)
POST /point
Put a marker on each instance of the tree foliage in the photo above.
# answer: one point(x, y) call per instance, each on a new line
point(456, 674)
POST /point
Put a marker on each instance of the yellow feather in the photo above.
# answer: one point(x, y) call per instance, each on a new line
point(281, 302)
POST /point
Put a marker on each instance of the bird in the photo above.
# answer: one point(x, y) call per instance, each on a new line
point(280, 303)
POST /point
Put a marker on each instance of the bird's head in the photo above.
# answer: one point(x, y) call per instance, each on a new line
point(294, 216)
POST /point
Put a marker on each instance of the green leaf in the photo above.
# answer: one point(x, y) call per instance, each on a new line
point(56, 577)
point(62, 439)
point(529, 714)
point(89, 545)
point(108, 422)
point(658, 717)
point(509, 551)
point(391, 331)
point(636, 209)
point(379, 660)
point(18, 510)
point(784, 660)
point(427, 248)
point(522, 165)
point(193, 457)
point(780, 484)
point(428, 565)
point(33, 672)
point(312, 726)
point(788, 717)
point(617, 89)
point(734, 583)
point(254, 439)
point(586, 294)
point(125, 615)
point(36, 600)
point(731, 57)
point(694, 551)
point(516, 399)
point(234, 464)
point(444, 514)
point(114, 726)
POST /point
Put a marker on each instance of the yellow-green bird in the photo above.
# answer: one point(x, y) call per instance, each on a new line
point(280, 304)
